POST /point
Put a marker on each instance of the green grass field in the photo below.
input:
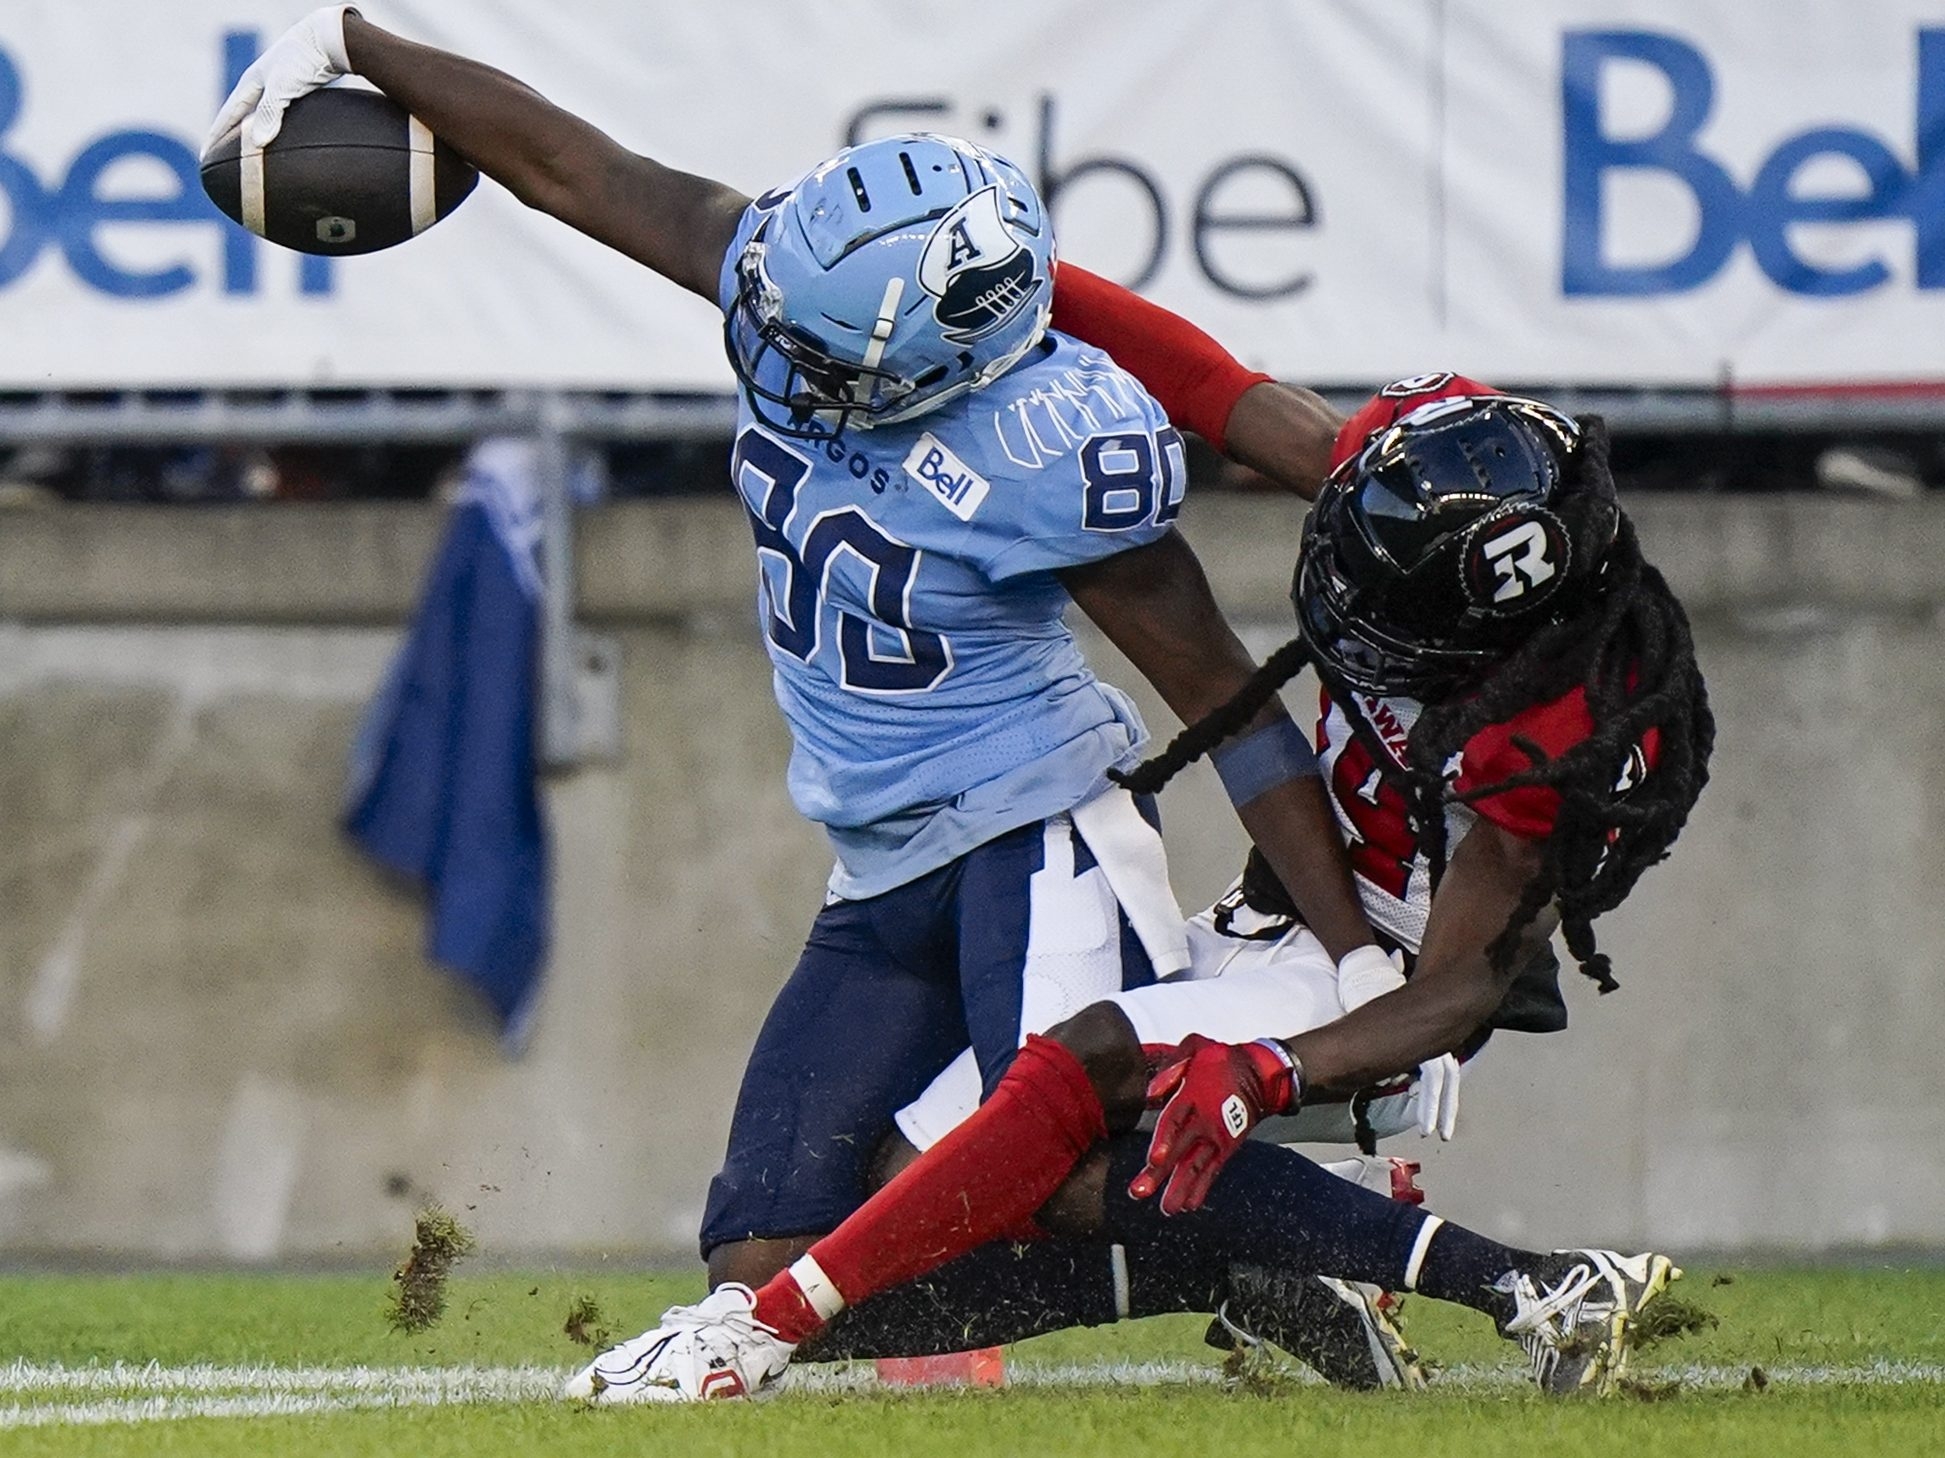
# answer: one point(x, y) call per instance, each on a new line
point(1854, 1362)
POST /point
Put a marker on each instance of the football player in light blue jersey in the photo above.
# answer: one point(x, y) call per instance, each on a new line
point(931, 476)
point(935, 695)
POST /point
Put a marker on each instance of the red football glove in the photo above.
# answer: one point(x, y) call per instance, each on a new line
point(1211, 1095)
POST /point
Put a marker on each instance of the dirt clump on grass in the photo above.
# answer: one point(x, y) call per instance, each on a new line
point(1665, 1318)
point(1642, 1390)
point(586, 1326)
point(418, 1298)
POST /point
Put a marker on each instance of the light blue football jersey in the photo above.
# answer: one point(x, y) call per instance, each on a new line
point(908, 599)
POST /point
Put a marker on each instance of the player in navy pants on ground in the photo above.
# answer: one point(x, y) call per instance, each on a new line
point(1493, 763)
point(931, 475)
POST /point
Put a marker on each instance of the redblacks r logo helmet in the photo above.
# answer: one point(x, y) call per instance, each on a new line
point(1449, 538)
point(1516, 560)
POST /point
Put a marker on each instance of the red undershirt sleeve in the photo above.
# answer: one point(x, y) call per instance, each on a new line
point(1191, 376)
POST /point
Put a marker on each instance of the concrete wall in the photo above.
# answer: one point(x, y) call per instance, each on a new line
point(219, 1040)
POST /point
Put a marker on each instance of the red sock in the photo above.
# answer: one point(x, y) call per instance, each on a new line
point(983, 1180)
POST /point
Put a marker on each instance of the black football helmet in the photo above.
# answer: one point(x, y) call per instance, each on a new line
point(1447, 541)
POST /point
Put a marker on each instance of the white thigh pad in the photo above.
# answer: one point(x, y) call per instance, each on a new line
point(1073, 935)
point(1073, 954)
point(1237, 990)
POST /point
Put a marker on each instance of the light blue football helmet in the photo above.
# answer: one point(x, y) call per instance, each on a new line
point(894, 277)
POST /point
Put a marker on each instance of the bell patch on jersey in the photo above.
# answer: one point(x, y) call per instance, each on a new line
point(1516, 561)
point(931, 463)
point(979, 274)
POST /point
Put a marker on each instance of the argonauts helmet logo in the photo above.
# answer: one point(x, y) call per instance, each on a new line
point(978, 271)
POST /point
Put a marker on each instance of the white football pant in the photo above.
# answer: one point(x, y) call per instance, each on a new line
point(1234, 990)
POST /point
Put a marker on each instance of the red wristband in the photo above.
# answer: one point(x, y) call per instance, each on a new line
point(1191, 376)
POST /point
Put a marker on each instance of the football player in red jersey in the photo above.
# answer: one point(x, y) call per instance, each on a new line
point(1512, 712)
point(1514, 729)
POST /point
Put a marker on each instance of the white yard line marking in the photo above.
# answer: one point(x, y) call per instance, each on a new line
point(1511, 1377)
point(500, 1383)
point(169, 1409)
point(135, 1394)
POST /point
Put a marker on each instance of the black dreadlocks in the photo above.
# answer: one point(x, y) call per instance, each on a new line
point(1629, 646)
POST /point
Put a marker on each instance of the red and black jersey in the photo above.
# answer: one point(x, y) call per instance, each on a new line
point(1393, 878)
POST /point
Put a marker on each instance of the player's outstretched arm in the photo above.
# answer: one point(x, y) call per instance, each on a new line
point(1154, 604)
point(1211, 1094)
point(1285, 433)
point(675, 223)
point(1279, 430)
point(1454, 988)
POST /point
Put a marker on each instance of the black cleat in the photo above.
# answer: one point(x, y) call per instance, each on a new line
point(1342, 1330)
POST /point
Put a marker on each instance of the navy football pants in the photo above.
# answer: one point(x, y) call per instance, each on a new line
point(888, 991)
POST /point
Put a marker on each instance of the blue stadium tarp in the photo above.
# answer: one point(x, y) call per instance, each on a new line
point(443, 786)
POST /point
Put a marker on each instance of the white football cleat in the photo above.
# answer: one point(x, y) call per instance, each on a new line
point(714, 1349)
point(1572, 1314)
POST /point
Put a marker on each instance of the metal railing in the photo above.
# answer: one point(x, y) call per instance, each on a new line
point(579, 717)
point(326, 417)
point(414, 416)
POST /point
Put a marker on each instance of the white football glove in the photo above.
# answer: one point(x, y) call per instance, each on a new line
point(309, 55)
point(1365, 973)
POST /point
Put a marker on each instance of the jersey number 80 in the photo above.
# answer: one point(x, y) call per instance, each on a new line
point(794, 615)
point(1131, 479)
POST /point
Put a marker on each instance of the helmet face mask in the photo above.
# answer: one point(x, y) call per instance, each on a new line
point(1354, 625)
point(821, 391)
point(1440, 548)
point(894, 277)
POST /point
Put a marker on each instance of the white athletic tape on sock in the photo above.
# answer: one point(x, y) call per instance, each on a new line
point(1418, 1249)
point(816, 1286)
point(1118, 1265)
